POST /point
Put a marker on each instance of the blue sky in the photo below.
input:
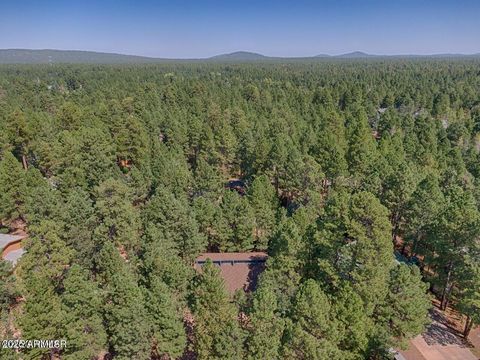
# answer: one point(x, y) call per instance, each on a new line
point(189, 28)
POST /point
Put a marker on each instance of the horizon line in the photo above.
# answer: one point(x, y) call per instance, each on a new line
point(250, 52)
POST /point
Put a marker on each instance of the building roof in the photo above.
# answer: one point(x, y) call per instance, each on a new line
point(11, 247)
point(6, 239)
point(238, 270)
point(225, 257)
point(14, 255)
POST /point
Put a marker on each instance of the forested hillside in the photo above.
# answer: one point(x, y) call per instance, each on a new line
point(33, 56)
point(28, 56)
point(119, 174)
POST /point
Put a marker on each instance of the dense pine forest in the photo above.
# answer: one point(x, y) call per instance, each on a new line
point(359, 178)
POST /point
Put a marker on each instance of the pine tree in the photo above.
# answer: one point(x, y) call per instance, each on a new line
point(208, 216)
point(238, 222)
point(469, 302)
point(130, 137)
point(14, 189)
point(217, 333)
point(118, 220)
point(78, 215)
point(85, 158)
point(8, 297)
point(42, 270)
point(361, 153)
point(354, 325)
point(406, 309)
point(161, 261)
point(140, 183)
point(19, 134)
point(46, 255)
point(421, 214)
point(285, 266)
point(331, 147)
point(174, 218)
point(313, 331)
point(264, 203)
point(8, 289)
point(277, 161)
point(82, 304)
point(171, 170)
point(43, 316)
point(398, 182)
point(169, 338)
point(224, 137)
point(207, 180)
point(455, 232)
point(124, 313)
point(42, 202)
point(266, 327)
point(354, 245)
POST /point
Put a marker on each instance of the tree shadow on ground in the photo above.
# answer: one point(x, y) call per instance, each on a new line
point(440, 333)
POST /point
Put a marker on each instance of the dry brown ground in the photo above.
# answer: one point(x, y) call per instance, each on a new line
point(443, 339)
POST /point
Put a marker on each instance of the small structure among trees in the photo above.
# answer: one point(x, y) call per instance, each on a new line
point(239, 270)
point(11, 246)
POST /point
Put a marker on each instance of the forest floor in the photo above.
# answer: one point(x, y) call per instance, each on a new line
point(442, 340)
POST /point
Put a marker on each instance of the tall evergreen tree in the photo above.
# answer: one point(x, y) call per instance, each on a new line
point(266, 326)
point(456, 233)
point(469, 302)
point(217, 332)
point(14, 188)
point(86, 157)
point(354, 325)
point(118, 220)
point(169, 338)
point(331, 146)
point(236, 223)
point(361, 153)
point(354, 245)
point(264, 203)
point(19, 134)
point(82, 303)
point(78, 215)
point(124, 313)
point(8, 298)
point(313, 332)
point(284, 268)
point(43, 316)
point(421, 214)
point(175, 219)
point(406, 309)
point(161, 261)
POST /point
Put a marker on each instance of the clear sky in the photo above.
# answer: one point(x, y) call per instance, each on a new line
point(202, 28)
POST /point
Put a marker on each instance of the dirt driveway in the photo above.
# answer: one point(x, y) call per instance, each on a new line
point(438, 342)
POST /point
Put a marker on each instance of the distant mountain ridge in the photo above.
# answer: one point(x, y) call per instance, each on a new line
point(239, 55)
point(355, 55)
point(27, 56)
